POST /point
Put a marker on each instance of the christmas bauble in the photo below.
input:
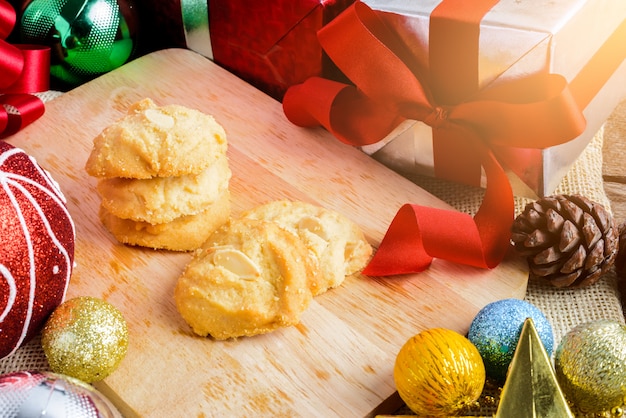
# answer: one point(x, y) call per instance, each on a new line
point(45, 394)
point(36, 248)
point(87, 37)
point(438, 372)
point(496, 329)
point(590, 365)
point(85, 338)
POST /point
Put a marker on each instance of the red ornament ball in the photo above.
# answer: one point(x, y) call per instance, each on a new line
point(36, 248)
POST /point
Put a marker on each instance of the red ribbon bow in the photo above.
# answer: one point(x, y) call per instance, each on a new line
point(533, 112)
point(24, 69)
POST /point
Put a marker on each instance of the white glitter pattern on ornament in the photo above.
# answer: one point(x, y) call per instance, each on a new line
point(12, 291)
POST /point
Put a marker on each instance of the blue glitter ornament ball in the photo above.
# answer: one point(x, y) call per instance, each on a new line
point(496, 329)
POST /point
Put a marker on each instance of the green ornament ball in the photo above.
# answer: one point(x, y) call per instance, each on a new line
point(590, 365)
point(87, 38)
point(85, 338)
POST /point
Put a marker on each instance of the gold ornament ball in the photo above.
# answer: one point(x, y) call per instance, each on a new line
point(590, 365)
point(439, 372)
point(85, 338)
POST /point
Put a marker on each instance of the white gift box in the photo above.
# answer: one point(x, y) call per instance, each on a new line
point(517, 38)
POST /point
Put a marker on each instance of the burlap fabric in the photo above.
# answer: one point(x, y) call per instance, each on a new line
point(564, 308)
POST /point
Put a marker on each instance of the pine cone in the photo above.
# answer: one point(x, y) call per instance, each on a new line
point(567, 240)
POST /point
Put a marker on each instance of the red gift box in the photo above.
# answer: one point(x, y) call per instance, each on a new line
point(271, 45)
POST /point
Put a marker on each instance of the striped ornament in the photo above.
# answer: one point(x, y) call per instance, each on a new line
point(36, 247)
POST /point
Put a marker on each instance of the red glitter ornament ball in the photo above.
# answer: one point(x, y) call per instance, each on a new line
point(36, 247)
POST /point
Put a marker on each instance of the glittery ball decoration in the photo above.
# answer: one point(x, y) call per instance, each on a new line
point(87, 37)
point(496, 329)
point(36, 247)
point(438, 372)
point(85, 338)
point(46, 394)
point(590, 365)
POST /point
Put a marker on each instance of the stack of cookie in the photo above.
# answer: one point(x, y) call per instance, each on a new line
point(163, 176)
point(259, 272)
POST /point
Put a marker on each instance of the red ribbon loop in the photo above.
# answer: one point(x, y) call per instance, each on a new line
point(390, 85)
point(386, 75)
point(24, 69)
point(437, 117)
point(7, 19)
point(11, 64)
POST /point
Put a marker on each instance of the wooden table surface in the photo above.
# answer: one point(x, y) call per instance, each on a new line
point(614, 168)
point(614, 155)
point(339, 359)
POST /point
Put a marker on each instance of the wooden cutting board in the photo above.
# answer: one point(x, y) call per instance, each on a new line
point(339, 360)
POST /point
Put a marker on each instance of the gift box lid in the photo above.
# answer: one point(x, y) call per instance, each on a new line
point(259, 25)
point(519, 37)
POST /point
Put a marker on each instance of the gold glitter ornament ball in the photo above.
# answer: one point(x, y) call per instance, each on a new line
point(590, 365)
point(439, 372)
point(85, 338)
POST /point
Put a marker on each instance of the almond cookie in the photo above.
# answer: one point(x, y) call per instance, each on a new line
point(162, 199)
point(251, 277)
point(152, 141)
point(185, 233)
point(337, 244)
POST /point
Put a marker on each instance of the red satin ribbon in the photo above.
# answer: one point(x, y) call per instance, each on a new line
point(534, 112)
point(24, 69)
